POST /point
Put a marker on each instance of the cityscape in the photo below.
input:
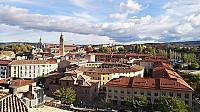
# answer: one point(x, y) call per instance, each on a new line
point(99, 56)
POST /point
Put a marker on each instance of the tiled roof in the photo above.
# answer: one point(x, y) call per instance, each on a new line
point(4, 62)
point(151, 83)
point(134, 68)
point(11, 103)
point(21, 62)
point(69, 45)
point(21, 82)
point(76, 60)
point(163, 70)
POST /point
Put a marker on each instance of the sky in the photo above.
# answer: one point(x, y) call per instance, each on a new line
point(100, 21)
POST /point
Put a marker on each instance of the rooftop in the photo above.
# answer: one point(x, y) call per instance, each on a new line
point(152, 83)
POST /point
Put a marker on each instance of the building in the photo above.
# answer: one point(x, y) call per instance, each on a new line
point(3, 68)
point(67, 63)
point(35, 97)
point(7, 55)
point(110, 57)
point(11, 103)
point(118, 90)
point(86, 88)
point(148, 64)
point(30, 68)
point(69, 47)
point(61, 46)
point(40, 45)
point(107, 71)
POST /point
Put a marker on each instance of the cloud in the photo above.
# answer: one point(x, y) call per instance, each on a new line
point(117, 16)
point(85, 4)
point(20, 17)
point(169, 4)
point(130, 7)
point(184, 29)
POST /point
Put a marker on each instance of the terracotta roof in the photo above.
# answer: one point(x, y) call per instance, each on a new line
point(155, 60)
point(148, 83)
point(51, 62)
point(21, 62)
point(11, 103)
point(69, 45)
point(135, 68)
point(4, 62)
point(21, 82)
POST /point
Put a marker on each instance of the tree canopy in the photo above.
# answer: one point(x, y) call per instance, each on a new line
point(171, 104)
point(66, 96)
point(138, 103)
point(16, 48)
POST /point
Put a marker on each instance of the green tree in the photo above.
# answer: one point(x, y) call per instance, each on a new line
point(171, 104)
point(66, 96)
point(194, 66)
point(138, 103)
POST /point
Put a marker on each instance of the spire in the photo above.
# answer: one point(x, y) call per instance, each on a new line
point(61, 36)
point(40, 40)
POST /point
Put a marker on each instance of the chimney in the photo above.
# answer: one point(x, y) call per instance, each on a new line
point(31, 87)
point(13, 90)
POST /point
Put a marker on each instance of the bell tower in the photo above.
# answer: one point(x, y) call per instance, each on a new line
point(61, 46)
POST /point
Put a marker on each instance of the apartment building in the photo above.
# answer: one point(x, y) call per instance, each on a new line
point(106, 72)
point(118, 90)
point(30, 68)
point(110, 57)
point(3, 68)
point(148, 64)
point(86, 88)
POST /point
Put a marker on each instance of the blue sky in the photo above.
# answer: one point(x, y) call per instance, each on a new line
point(100, 21)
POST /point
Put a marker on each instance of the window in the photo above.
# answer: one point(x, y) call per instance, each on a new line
point(149, 99)
point(122, 91)
point(98, 78)
point(135, 92)
point(108, 78)
point(103, 83)
point(109, 90)
point(186, 95)
point(86, 91)
point(115, 96)
point(122, 96)
point(179, 95)
point(93, 77)
point(142, 92)
point(109, 96)
point(156, 100)
point(186, 102)
point(171, 94)
point(67, 83)
point(163, 93)
point(103, 78)
point(128, 91)
point(156, 94)
point(115, 90)
point(148, 93)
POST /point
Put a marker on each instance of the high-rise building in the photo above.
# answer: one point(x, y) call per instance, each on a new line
point(61, 46)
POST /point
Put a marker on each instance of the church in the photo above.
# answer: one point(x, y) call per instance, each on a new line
point(62, 49)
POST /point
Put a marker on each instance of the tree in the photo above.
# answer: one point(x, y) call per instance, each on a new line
point(108, 104)
point(171, 104)
point(66, 96)
point(194, 66)
point(138, 103)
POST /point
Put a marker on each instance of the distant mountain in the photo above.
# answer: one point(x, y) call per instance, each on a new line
point(187, 43)
point(22, 43)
